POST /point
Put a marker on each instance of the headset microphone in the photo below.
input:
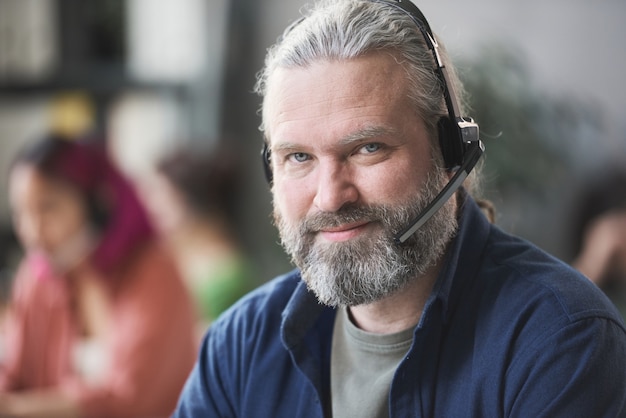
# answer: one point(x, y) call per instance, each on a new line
point(474, 152)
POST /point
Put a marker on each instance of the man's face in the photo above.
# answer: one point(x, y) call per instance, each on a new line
point(352, 165)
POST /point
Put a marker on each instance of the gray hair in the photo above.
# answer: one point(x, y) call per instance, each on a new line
point(345, 29)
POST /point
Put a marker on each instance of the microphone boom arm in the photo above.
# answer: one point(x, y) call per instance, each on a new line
point(475, 151)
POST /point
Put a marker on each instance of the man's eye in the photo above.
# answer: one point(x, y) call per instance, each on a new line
point(370, 148)
point(299, 157)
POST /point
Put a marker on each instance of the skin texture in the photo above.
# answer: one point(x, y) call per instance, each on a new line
point(344, 133)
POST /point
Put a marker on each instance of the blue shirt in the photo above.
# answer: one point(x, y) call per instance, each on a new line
point(508, 331)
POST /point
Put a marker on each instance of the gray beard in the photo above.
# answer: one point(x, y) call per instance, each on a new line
point(371, 267)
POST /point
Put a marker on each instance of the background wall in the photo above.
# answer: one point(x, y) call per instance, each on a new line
point(544, 79)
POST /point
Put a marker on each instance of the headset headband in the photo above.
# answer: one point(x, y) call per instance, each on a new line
point(468, 133)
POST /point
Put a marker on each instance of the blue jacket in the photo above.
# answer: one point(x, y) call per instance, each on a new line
point(508, 331)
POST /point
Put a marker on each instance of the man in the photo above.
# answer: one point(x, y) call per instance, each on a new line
point(396, 309)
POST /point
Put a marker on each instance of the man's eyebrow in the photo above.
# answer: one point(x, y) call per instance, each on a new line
point(363, 134)
point(286, 146)
point(366, 133)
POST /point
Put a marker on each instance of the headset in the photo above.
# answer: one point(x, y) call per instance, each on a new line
point(459, 139)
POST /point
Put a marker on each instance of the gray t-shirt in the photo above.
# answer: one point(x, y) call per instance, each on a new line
point(362, 366)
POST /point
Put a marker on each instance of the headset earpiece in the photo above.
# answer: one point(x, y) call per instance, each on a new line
point(267, 167)
point(450, 143)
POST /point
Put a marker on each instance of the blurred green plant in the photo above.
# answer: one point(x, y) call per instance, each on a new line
point(533, 134)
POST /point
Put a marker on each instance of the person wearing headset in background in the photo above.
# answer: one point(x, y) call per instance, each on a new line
point(99, 323)
point(407, 301)
point(191, 198)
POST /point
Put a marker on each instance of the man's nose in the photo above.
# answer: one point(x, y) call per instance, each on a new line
point(335, 188)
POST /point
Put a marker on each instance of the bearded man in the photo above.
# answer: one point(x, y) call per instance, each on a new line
point(406, 300)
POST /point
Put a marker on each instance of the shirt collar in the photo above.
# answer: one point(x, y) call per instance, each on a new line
point(462, 259)
point(300, 314)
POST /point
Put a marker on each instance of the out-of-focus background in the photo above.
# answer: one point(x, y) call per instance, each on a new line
point(545, 82)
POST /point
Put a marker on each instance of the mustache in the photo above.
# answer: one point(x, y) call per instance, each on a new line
point(349, 214)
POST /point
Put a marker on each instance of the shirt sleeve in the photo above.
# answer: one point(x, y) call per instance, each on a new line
point(576, 371)
point(35, 333)
point(205, 393)
point(13, 339)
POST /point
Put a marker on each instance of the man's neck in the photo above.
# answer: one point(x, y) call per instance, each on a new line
point(399, 311)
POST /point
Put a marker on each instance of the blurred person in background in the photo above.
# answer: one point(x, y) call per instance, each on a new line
point(599, 233)
point(191, 197)
point(9, 256)
point(99, 323)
